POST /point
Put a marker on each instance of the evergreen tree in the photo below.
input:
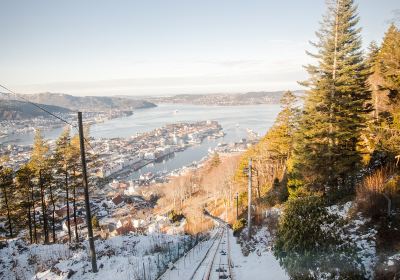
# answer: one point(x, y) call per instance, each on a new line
point(24, 186)
point(63, 163)
point(389, 62)
point(7, 197)
point(39, 164)
point(375, 78)
point(336, 107)
point(279, 139)
point(270, 155)
point(388, 68)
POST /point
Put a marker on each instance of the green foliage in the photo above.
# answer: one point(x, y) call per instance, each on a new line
point(174, 216)
point(275, 148)
point(387, 135)
point(309, 238)
point(95, 222)
point(389, 62)
point(238, 226)
point(329, 146)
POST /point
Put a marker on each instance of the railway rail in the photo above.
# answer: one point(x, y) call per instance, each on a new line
point(216, 263)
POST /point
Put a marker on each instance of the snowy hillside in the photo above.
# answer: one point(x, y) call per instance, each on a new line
point(124, 257)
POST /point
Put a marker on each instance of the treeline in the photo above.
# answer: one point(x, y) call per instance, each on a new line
point(32, 195)
point(342, 143)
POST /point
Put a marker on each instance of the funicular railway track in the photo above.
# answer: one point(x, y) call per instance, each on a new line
point(208, 260)
point(216, 263)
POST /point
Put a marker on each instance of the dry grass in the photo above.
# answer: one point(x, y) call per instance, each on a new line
point(373, 191)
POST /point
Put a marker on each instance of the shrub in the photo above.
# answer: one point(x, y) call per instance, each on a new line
point(308, 240)
point(238, 226)
point(174, 217)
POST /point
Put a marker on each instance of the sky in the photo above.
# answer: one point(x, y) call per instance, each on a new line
point(162, 47)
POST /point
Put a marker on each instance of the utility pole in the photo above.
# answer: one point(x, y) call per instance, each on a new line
point(249, 202)
point(86, 187)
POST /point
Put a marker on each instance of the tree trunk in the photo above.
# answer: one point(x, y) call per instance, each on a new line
point(8, 211)
point(67, 197)
point(258, 186)
point(45, 225)
point(29, 218)
point(74, 205)
point(53, 214)
point(34, 214)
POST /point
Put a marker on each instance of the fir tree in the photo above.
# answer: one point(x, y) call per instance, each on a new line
point(388, 68)
point(336, 107)
point(389, 62)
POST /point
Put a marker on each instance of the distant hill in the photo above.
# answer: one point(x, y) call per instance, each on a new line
point(224, 99)
point(88, 103)
point(16, 110)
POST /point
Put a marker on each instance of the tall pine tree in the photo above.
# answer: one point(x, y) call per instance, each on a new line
point(336, 107)
point(63, 164)
point(39, 164)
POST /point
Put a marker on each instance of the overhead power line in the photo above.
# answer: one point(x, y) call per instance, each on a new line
point(10, 93)
point(36, 105)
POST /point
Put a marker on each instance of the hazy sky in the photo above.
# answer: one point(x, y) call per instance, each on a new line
point(102, 47)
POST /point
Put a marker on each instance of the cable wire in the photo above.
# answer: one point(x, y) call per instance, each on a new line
point(36, 105)
point(48, 112)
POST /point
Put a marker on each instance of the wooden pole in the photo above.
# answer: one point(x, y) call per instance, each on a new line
point(86, 188)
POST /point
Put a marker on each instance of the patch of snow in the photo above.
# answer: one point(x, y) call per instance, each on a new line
point(365, 240)
point(392, 260)
point(341, 210)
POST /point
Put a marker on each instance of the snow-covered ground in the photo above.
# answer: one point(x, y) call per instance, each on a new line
point(259, 264)
point(358, 233)
point(132, 257)
point(122, 257)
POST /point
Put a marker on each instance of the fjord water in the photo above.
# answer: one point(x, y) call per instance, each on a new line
point(256, 117)
point(235, 121)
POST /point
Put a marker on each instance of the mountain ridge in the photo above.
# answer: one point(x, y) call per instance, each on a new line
point(87, 103)
point(17, 110)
